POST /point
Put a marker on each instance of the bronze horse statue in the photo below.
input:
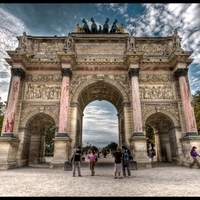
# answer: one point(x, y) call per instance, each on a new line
point(85, 27)
point(105, 26)
point(93, 26)
point(114, 27)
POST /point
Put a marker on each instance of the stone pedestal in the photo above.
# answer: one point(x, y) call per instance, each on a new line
point(140, 152)
point(61, 152)
point(9, 147)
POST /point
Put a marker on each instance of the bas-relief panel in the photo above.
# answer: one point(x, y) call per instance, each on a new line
point(151, 89)
point(42, 91)
point(42, 87)
point(161, 91)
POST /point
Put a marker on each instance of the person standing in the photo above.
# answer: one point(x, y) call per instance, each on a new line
point(92, 161)
point(194, 155)
point(76, 161)
point(126, 161)
point(151, 154)
point(104, 153)
point(118, 163)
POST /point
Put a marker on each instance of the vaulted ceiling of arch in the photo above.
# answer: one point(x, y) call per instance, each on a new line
point(159, 122)
point(100, 91)
point(41, 123)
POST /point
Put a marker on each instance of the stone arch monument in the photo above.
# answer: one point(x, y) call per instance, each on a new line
point(54, 78)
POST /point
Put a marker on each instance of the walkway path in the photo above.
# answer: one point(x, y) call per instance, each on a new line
point(160, 180)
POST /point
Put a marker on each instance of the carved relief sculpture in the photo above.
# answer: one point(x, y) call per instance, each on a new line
point(22, 42)
point(176, 41)
point(131, 42)
point(69, 43)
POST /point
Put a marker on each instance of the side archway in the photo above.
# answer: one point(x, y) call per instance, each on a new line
point(165, 144)
point(33, 150)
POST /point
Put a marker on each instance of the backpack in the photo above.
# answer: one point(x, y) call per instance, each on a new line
point(126, 157)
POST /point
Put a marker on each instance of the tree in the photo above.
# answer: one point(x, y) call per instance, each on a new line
point(112, 146)
point(49, 147)
point(2, 110)
point(196, 106)
point(85, 149)
point(150, 136)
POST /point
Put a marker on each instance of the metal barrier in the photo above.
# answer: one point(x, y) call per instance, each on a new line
point(133, 165)
point(67, 166)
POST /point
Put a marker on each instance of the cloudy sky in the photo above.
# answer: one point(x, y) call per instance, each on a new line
point(148, 20)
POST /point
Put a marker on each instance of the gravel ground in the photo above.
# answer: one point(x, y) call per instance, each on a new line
point(161, 180)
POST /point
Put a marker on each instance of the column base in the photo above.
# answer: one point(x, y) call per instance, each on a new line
point(191, 134)
point(138, 134)
point(8, 135)
point(62, 135)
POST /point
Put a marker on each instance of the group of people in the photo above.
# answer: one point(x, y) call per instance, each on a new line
point(122, 158)
point(76, 160)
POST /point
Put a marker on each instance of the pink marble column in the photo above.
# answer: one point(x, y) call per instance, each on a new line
point(64, 101)
point(190, 122)
point(137, 115)
point(9, 117)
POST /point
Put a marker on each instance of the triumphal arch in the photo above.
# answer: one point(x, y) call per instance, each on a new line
point(54, 78)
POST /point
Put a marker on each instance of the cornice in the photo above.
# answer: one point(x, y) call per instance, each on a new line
point(128, 58)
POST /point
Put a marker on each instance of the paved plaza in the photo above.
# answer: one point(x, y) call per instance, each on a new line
point(163, 179)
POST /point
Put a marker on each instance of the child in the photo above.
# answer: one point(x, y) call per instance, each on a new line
point(118, 163)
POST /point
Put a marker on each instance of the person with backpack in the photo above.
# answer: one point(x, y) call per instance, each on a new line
point(118, 163)
point(76, 161)
point(194, 155)
point(126, 160)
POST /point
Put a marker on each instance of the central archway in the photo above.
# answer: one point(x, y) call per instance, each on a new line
point(98, 90)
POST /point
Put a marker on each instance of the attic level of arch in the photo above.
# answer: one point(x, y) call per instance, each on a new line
point(98, 49)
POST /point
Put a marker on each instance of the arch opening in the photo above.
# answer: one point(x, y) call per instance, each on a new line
point(39, 127)
point(160, 132)
point(100, 124)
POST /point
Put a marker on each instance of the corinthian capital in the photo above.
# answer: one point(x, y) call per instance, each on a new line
point(18, 72)
point(66, 72)
point(134, 72)
point(181, 72)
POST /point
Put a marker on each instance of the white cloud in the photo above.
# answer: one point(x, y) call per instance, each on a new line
point(10, 27)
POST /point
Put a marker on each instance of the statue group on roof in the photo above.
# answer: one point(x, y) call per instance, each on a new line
point(93, 29)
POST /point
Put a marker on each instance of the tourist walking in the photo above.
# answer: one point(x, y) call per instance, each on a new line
point(104, 153)
point(76, 161)
point(92, 160)
point(194, 155)
point(118, 163)
point(126, 161)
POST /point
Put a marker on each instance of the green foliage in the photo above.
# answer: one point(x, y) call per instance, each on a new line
point(49, 147)
point(150, 135)
point(2, 109)
point(85, 149)
point(196, 106)
point(112, 146)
